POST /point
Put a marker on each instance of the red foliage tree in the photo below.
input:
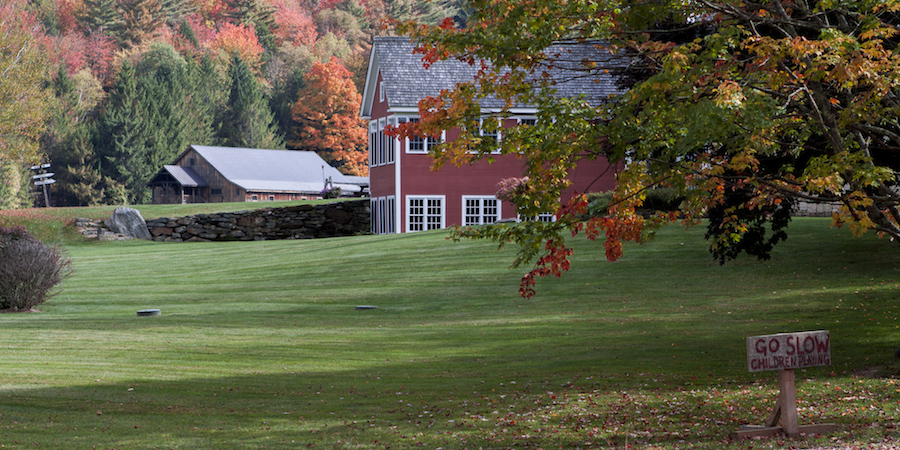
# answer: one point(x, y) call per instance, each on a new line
point(65, 13)
point(71, 51)
point(326, 118)
point(204, 34)
point(238, 40)
point(100, 54)
point(294, 24)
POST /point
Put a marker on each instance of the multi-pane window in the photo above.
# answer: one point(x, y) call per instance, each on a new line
point(424, 213)
point(373, 142)
point(418, 144)
point(383, 213)
point(480, 210)
point(491, 134)
point(381, 145)
point(529, 121)
point(542, 217)
point(390, 223)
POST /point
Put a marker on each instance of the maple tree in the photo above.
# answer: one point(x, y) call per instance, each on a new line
point(326, 118)
point(238, 40)
point(293, 24)
point(745, 108)
point(24, 76)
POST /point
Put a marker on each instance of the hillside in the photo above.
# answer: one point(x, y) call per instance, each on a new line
point(259, 345)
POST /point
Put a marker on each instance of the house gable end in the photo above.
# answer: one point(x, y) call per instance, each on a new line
point(372, 76)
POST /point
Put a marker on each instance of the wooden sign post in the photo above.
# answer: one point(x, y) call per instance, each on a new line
point(785, 352)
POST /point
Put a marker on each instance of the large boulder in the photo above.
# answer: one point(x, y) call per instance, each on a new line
point(129, 222)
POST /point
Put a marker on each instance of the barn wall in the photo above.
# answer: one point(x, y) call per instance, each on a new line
point(226, 191)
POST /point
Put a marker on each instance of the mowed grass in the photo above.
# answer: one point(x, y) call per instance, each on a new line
point(259, 345)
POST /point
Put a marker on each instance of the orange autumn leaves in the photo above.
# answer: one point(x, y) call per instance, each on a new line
point(326, 119)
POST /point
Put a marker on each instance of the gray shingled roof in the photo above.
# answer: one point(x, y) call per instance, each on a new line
point(406, 81)
point(186, 176)
point(273, 170)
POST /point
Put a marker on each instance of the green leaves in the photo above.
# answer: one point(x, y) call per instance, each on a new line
point(744, 109)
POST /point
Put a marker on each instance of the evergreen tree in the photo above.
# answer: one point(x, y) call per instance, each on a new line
point(284, 93)
point(155, 111)
point(99, 16)
point(247, 120)
point(257, 16)
point(67, 140)
point(141, 20)
point(119, 140)
point(163, 80)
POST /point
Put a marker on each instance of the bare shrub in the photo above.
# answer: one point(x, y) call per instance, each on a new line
point(29, 269)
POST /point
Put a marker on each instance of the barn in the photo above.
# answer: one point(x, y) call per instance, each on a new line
point(406, 195)
point(205, 174)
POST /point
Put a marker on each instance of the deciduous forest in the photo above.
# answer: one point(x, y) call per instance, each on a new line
point(110, 90)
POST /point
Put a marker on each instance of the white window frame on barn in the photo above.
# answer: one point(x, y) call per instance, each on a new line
point(496, 135)
point(480, 209)
point(382, 148)
point(425, 212)
point(542, 217)
point(526, 120)
point(418, 145)
point(383, 213)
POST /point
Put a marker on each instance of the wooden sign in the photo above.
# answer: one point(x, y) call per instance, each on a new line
point(785, 352)
point(788, 351)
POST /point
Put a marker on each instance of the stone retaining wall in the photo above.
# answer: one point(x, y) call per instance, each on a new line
point(293, 222)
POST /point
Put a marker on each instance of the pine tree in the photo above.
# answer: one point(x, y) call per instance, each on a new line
point(67, 140)
point(99, 16)
point(155, 111)
point(119, 140)
point(256, 15)
point(247, 120)
point(141, 20)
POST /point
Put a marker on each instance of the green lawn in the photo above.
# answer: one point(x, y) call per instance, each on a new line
point(259, 345)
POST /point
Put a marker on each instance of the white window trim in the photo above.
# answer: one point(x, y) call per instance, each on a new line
point(379, 159)
point(373, 215)
point(409, 200)
point(381, 92)
point(542, 217)
point(383, 217)
point(426, 146)
point(390, 205)
point(382, 148)
point(481, 214)
point(373, 142)
point(391, 151)
point(499, 131)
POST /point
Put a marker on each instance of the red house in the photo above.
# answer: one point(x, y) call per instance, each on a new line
point(405, 194)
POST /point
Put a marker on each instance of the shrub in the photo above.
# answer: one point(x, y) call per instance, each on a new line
point(29, 269)
point(663, 199)
point(333, 192)
point(656, 199)
point(597, 204)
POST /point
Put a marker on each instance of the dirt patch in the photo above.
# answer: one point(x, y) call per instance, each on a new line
point(878, 372)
